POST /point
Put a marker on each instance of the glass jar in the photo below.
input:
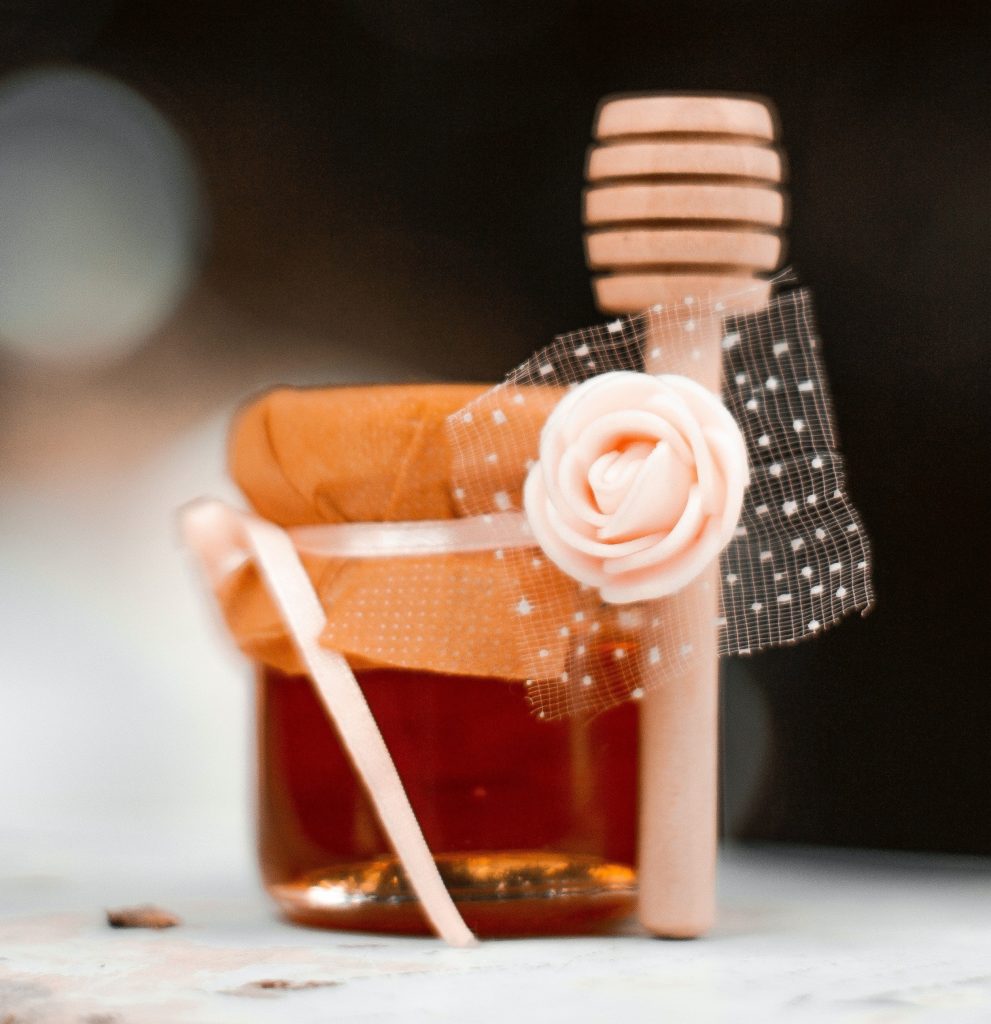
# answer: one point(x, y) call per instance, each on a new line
point(532, 824)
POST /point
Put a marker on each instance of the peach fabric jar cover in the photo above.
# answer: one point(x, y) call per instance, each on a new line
point(371, 454)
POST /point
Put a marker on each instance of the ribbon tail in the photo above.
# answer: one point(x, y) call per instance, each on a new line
point(217, 532)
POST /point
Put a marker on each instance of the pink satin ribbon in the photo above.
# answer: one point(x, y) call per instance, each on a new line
point(420, 537)
point(224, 537)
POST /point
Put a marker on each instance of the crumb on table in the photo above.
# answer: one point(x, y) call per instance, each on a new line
point(144, 916)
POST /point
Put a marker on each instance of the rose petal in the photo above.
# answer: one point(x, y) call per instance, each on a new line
point(729, 451)
point(615, 430)
point(670, 545)
point(612, 476)
point(615, 391)
point(709, 412)
point(566, 452)
point(686, 415)
point(571, 532)
point(655, 500)
point(578, 566)
point(569, 487)
point(705, 405)
point(611, 432)
point(651, 583)
point(658, 422)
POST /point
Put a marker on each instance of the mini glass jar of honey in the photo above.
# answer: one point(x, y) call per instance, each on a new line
point(532, 823)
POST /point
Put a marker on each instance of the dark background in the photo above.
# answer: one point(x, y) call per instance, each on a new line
point(369, 164)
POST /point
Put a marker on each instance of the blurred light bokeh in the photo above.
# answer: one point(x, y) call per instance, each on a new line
point(100, 214)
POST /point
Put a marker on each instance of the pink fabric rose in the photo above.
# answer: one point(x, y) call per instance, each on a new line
point(639, 484)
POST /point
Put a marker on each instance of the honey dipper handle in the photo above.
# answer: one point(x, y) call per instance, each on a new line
point(683, 199)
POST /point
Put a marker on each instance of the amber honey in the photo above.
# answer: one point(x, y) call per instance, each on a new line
point(532, 824)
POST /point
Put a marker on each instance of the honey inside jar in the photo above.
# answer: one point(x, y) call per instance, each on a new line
point(532, 824)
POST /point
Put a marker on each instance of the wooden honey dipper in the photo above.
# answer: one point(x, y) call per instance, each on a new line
point(683, 199)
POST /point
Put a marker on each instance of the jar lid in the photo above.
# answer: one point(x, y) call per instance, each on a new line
point(371, 454)
point(348, 454)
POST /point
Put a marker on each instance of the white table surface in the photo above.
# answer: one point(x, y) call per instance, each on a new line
point(804, 935)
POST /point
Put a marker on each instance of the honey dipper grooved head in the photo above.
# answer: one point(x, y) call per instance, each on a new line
point(746, 204)
point(725, 158)
point(671, 113)
point(683, 191)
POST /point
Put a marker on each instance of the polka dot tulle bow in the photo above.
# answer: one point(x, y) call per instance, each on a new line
point(634, 482)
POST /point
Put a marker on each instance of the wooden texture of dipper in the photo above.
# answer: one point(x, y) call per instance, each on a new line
point(683, 199)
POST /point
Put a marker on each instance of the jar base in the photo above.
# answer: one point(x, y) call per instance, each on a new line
point(500, 894)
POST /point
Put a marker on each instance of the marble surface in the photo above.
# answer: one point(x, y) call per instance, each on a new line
point(804, 935)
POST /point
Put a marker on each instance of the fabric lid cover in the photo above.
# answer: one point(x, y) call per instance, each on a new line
point(371, 454)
